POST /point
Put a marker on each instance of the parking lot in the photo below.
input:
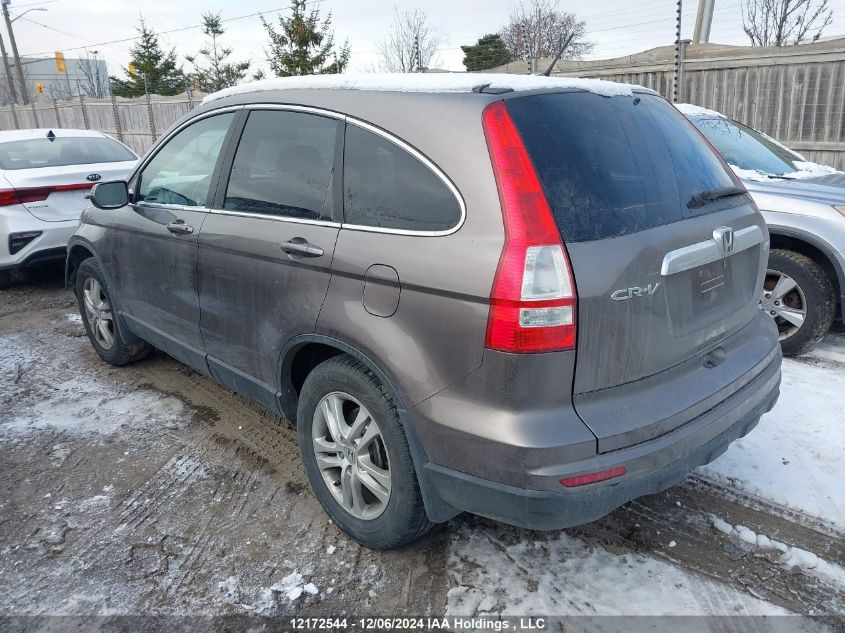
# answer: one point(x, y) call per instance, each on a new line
point(151, 490)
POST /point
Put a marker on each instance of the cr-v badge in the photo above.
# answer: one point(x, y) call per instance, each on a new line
point(626, 293)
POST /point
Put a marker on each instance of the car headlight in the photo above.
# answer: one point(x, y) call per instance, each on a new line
point(840, 208)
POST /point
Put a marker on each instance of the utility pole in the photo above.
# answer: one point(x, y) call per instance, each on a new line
point(703, 21)
point(676, 80)
point(21, 80)
point(12, 92)
point(527, 47)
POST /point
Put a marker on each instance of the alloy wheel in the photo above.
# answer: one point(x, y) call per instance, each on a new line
point(351, 455)
point(783, 300)
point(98, 312)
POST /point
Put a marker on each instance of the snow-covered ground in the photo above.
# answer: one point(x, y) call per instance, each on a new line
point(796, 455)
point(562, 575)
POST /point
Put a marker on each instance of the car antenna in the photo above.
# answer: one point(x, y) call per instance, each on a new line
point(559, 53)
point(51, 136)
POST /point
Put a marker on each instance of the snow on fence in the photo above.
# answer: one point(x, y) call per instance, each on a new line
point(795, 94)
point(138, 122)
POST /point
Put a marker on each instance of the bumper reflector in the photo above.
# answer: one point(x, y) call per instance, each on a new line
point(602, 475)
point(17, 241)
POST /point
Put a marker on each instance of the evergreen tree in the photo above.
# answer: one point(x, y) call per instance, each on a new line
point(153, 65)
point(489, 52)
point(304, 45)
point(219, 73)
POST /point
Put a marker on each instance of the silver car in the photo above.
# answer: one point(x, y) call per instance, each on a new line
point(804, 205)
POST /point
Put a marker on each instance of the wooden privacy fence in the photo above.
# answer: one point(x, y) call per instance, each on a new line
point(137, 122)
point(795, 94)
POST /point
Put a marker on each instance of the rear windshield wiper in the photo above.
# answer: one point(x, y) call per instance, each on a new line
point(701, 198)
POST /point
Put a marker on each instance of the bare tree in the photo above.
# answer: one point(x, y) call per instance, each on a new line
point(411, 44)
point(538, 28)
point(785, 22)
point(93, 81)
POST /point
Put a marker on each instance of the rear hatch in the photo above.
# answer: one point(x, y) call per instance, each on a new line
point(50, 178)
point(662, 275)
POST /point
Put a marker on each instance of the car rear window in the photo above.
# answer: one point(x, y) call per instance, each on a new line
point(618, 165)
point(62, 150)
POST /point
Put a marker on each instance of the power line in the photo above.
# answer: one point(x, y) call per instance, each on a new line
point(167, 32)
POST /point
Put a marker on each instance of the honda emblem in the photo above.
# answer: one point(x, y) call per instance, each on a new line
point(724, 238)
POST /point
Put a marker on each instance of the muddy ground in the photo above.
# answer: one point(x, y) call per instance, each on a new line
point(150, 489)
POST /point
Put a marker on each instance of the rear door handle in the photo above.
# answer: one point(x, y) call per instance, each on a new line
point(178, 227)
point(300, 246)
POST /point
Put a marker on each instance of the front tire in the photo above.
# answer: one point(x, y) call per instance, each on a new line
point(356, 455)
point(5, 279)
point(104, 329)
point(799, 296)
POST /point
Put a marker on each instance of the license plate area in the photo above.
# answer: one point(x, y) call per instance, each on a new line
point(711, 296)
point(712, 284)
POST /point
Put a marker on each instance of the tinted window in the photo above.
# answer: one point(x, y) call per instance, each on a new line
point(746, 148)
point(62, 150)
point(612, 166)
point(180, 173)
point(283, 165)
point(387, 187)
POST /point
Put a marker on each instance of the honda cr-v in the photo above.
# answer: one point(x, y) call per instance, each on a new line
point(528, 298)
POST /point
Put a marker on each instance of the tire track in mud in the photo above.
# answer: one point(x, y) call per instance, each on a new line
point(684, 514)
point(226, 426)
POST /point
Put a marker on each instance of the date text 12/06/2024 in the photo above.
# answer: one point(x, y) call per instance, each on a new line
point(455, 623)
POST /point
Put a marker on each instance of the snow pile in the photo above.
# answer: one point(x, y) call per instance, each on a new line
point(423, 82)
point(688, 109)
point(561, 575)
point(790, 557)
point(291, 586)
point(794, 457)
point(806, 170)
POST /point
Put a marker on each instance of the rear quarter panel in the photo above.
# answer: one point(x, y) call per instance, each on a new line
point(436, 335)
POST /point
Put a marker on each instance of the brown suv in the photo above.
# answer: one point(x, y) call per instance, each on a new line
point(532, 299)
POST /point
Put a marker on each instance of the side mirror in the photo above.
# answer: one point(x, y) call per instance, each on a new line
point(109, 195)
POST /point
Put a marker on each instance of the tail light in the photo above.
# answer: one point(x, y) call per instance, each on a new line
point(532, 303)
point(35, 194)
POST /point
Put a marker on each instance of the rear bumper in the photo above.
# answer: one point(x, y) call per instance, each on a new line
point(543, 510)
point(506, 462)
point(50, 245)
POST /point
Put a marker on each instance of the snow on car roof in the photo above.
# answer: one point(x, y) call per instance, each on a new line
point(693, 110)
point(23, 135)
point(428, 82)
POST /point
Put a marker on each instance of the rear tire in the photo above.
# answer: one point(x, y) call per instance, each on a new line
point(380, 517)
point(105, 330)
point(811, 293)
point(5, 279)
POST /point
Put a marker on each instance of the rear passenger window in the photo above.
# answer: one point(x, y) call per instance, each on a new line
point(387, 187)
point(283, 165)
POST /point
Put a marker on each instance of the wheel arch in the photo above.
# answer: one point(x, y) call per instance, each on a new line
point(78, 250)
point(310, 350)
point(302, 353)
point(812, 247)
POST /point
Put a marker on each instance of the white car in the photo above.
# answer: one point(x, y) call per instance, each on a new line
point(44, 176)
